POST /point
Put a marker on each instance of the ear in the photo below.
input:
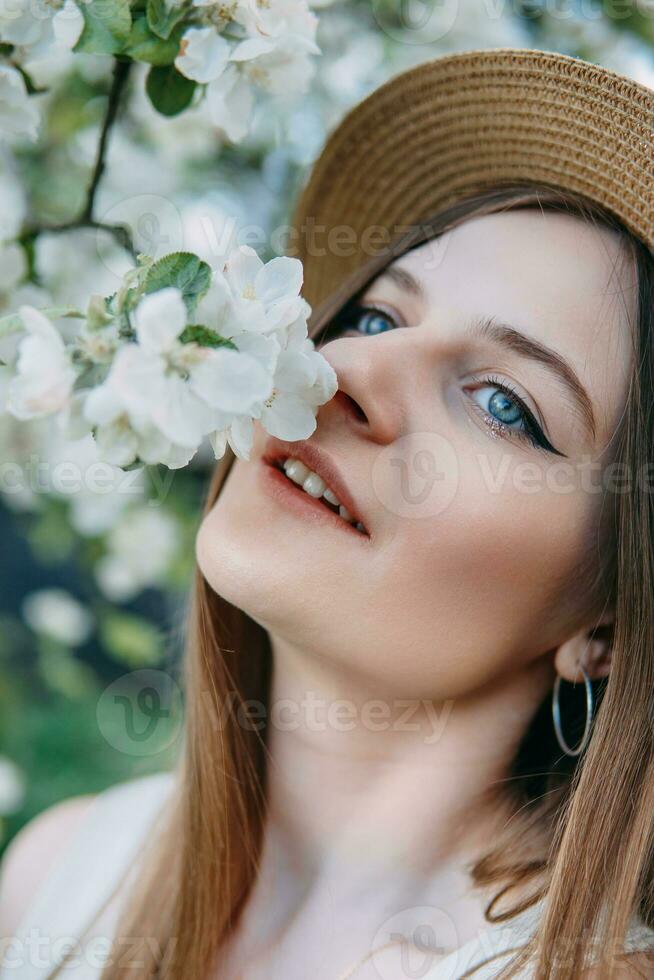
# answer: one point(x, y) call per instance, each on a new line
point(591, 648)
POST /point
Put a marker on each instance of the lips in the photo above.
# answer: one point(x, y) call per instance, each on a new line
point(276, 451)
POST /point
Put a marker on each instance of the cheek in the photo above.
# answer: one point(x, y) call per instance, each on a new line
point(483, 586)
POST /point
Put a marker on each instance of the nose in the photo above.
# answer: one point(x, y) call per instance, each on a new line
point(374, 385)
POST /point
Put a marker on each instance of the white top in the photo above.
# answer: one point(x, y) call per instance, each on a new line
point(105, 850)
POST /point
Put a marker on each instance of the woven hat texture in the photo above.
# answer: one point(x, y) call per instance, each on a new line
point(463, 122)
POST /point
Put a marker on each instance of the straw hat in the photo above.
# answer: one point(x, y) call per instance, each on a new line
point(463, 122)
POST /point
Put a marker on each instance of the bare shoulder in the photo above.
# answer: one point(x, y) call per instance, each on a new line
point(31, 854)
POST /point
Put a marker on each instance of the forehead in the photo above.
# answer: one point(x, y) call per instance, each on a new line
point(556, 277)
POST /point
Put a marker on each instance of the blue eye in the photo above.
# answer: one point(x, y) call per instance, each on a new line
point(364, 321)
point(371, 321)
point(504, 408)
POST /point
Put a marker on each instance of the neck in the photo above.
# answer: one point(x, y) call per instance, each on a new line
point(374, 805)
point(363, 786)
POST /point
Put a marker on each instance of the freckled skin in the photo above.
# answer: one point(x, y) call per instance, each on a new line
point(474, 591)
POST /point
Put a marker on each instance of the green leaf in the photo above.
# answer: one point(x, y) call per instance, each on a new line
point(163, 18)
point(196, 333)
point(169, 92)
point(107, 25)
point(13, 322)
point(184, 270)
point(143, 45)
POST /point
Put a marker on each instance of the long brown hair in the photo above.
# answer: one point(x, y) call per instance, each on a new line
point(581, 828)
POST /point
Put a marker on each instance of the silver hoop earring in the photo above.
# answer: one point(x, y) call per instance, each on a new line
point(556, 715)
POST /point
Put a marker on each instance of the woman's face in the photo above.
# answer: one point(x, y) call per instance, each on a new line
point(480, 514)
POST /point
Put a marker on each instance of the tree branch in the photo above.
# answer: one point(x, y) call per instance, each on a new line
point(118, 81)
point(122, 233)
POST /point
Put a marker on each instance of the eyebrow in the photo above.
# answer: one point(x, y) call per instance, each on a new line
point(507, 336)
point(403, 278)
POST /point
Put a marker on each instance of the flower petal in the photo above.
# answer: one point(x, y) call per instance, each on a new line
point(102, 406)
point(116, 443)
point(203, 54)
point(295, 371)
point(253, 47)
point(159, 319)
point(264, 348)
point(183, 417)
point(218, 442)
point(240, 437)
point(281, 278)
point(37, 324)
point(241, 270)
point(288, 417)
point(231, 381)
point(230, 100)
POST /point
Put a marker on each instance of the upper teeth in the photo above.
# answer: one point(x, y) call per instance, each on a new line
point(315, 486)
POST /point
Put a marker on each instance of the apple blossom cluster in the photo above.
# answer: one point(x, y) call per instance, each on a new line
point(230, 49)
point(179, 353)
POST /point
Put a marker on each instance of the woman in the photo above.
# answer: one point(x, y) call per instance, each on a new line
point(388, 770)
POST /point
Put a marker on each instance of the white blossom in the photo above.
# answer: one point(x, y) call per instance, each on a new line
point(231, 101)
point(140, 549)
point(279, 65)
point(13, 265)
point(35, 26)
point(278, 18)
point(259, 297)
point(45, 375)
point(303, 380)
point(26, 23)
point(67, 25)
point(18, 113)
point(96, 491)
point(203, 54)
point(57, 614)
point(271, 54)
point(161, 396)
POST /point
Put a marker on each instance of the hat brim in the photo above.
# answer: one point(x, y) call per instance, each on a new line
point(463, 122)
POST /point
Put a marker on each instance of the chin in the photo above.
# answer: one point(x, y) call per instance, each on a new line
point(240, 562)
point(223, 551)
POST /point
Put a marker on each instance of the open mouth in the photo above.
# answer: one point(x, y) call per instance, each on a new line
point(310, 484)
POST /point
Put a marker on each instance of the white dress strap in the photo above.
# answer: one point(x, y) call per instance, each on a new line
point(85, 875)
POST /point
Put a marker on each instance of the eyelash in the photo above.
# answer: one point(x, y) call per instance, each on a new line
point(532, 433)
